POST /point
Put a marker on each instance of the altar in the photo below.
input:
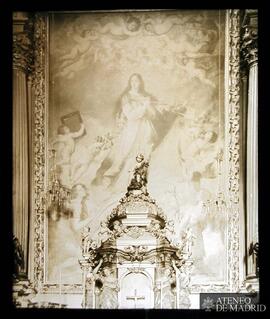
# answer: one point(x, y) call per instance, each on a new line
point(138, 262)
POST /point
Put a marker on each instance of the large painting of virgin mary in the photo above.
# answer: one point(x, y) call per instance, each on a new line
point(146, 83)
point(137, 133)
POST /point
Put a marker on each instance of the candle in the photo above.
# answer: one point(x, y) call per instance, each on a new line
point(38, 291)
point(60, 287)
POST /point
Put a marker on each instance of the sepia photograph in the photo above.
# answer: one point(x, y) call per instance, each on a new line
point(135, 158)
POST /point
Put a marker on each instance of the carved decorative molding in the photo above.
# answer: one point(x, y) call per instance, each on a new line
point(234, 148)
point(23, 47)
point(200, 288)
point(66, 288)
point(39, 147)
point(136, 253)
point(249, 39)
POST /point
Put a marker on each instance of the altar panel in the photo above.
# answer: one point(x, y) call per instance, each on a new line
point(136, 291)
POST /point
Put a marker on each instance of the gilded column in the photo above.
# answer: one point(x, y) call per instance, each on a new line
point(22, 61)
point(249, 51)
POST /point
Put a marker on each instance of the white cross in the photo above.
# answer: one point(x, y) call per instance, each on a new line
point(135, 298)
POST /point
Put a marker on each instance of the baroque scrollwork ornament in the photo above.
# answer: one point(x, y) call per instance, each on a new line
point(136, 252)
point(39, 144)
point(23, 47)
point(249, 38)
point(234, 146)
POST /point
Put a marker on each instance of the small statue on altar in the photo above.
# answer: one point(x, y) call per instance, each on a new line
point(169, 231)
point(86, 240)
point(139, 179)
point(188, 241)
point(90, 282)
point(179, 275)
point(18, 257)
point(167, 282)
point(104, 232)
point(109, 290)
point(92, 272)
point(118, 228)
point(155, 229)
point(182, 275)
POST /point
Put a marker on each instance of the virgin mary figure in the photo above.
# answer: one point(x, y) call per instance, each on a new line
point(135, 131)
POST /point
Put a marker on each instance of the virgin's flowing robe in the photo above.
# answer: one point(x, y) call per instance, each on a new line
point(136, 135)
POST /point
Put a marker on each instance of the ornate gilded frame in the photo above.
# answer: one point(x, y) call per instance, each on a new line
point(231, 156)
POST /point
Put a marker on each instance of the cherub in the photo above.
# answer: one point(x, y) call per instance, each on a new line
point(122, 27)
point(162, 26)
point(83, 44)
point(81, 160)
point(76, 206)
point(65, 141)
point(189, 66)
